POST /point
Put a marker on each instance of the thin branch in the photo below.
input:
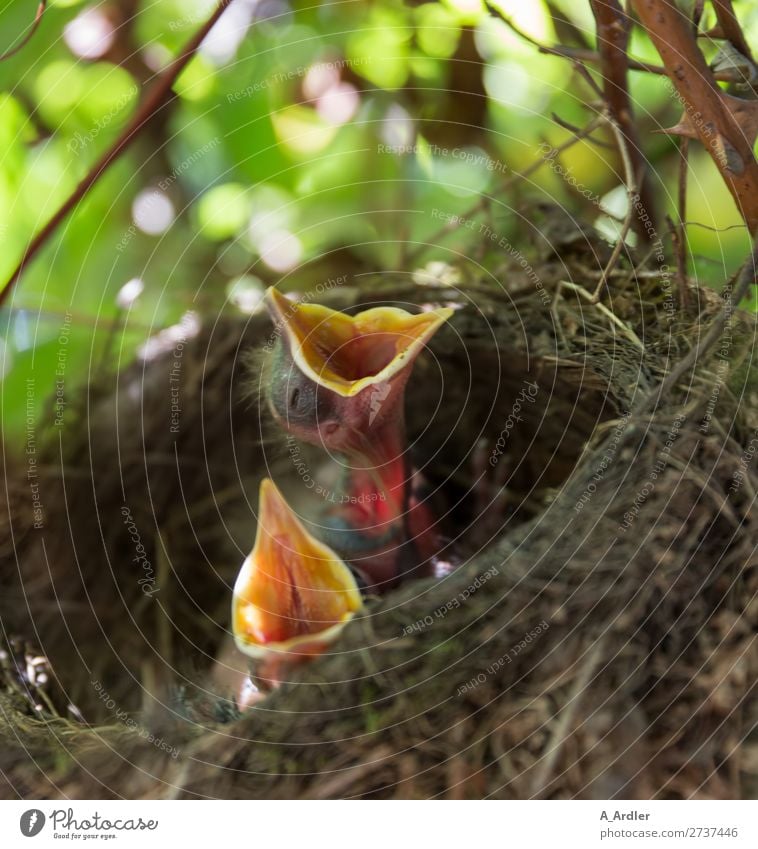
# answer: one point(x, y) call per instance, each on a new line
point(681, 227)
point(630, 178)
point(614, 319)
point(585, 74)
point(706, 110)
point(150, 106)
point(679, 230)
point(730, 27)
point(613, 29)
point(572, 128)
point(712, 229)
point(484, 199)
point(27, 38)
point(565, 29)
point(581, 54)
point(632, 211)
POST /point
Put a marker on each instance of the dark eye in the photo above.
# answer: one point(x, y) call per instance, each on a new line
point(296, 399)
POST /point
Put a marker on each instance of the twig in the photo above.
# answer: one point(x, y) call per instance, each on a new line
point(572, 128)
point(715, 229)
point(27, 38)
point(432, 240)
point(149, 107)
point(705, 107)
point(614, 319)
point(681, 226)
point(633, 198)
point(582, 54)
point(745, 278)
point(731, 28)
point(566, 30)
point(589, 79)
point(613, 38)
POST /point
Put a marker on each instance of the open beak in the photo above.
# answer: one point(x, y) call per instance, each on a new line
point(348, 354)
point(293, 594)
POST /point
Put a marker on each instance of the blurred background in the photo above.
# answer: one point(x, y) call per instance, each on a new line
point(304, 142)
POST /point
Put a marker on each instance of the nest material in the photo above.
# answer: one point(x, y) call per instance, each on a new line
point(598, 641)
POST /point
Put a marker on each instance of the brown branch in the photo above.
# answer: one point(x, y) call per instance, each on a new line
point(582, 54)
point(27, 38)
point(730, 27)
point(152, 103)
point(680, 229)
point(708, 113)
point(613, 28)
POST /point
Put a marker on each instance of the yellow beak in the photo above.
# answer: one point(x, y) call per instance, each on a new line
point(293, 593)
point(346, 353)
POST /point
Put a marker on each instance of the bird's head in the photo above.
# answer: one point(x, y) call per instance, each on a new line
point(338, 380)
point(293, 594)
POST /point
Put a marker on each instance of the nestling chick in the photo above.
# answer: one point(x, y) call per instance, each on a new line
point(293, 594)
point(338, 381)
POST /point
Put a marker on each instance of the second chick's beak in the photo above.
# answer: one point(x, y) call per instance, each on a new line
point(293, 594)
point(338, 380)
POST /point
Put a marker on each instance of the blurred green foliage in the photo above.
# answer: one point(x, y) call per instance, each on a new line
point(304, 141)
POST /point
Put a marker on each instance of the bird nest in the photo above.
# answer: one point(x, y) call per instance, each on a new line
point(594, 641)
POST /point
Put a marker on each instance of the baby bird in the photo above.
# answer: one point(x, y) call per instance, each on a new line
point(293, 594)
point(338, 381)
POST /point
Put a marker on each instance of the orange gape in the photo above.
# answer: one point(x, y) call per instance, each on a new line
point(338, 381)
point(345, 353)
point(293, 594)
